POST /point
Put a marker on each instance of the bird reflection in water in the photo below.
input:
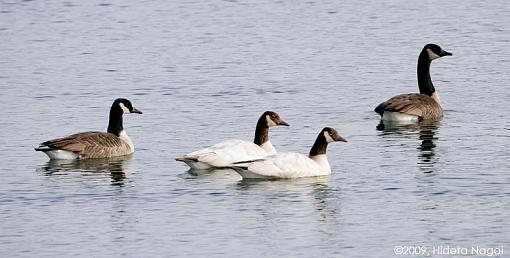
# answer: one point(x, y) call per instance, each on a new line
point(316, 189)
point(426, 131)
point(116, 166)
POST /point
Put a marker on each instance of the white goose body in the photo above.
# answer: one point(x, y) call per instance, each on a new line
point(293, 165)
point(228, 152)
point(287, 165)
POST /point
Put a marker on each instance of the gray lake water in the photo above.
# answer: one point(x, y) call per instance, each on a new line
point(204, 71)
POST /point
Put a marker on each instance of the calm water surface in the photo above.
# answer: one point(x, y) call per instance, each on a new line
point(203, 71)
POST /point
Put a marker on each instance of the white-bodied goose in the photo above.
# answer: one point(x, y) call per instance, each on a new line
point(115, 142)
point(230, 151)
point(417, 106)
point(293, 165)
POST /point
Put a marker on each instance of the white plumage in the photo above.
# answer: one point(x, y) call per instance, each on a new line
point(61, 154)
point(293, 165)
point(227, 153)
point(399, 117)
point(286, 165)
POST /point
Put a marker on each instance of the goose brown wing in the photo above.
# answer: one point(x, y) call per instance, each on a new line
point(413, 104)
point(91, 144)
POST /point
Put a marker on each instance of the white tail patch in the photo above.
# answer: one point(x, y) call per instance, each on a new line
point(124, 108)
point(398, 117)
point(270, 122)
point(328, 137)
point(61, 154)
point(432, 55)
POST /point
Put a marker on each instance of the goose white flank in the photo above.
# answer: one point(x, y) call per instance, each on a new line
point(293, 165)
point(228, 152)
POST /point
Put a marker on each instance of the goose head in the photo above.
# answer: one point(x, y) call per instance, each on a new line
point(331, 135)
point(271, 119)
point(434, 51)
point(326, 136)
point(124, 106)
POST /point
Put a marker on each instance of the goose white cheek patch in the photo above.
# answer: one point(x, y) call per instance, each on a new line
point(124, 108)
point(270, 122)
point(432, 55)
point(328, 137)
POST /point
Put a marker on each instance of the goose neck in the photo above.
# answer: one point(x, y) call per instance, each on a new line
point(319, 147)
point(115, 122)
point(424, 80)
point(261, 133)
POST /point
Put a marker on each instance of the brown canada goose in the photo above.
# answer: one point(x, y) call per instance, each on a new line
point(417, 106)
point(230, 151)
point(293, 165)
point(115, 142)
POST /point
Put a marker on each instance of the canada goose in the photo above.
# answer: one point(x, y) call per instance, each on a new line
point(293, 165)
point(414, 106)
point(230, 151)
point(115, 142)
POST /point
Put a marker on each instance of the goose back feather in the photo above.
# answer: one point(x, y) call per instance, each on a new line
point(90, 145)
point(414, 104)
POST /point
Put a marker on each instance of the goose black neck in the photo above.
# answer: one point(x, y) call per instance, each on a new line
point(115, 123)
point(424, 80)
point(320, 146)
point(261, 132)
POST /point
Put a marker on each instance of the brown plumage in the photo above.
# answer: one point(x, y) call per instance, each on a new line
point(424, 105)
point(91, 145)
point(113, 143)
point(421, 105)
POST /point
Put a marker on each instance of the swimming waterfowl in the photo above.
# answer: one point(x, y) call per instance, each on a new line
point(293, 165)
point(85, 145)
point(417, 106)
point(230, 151)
